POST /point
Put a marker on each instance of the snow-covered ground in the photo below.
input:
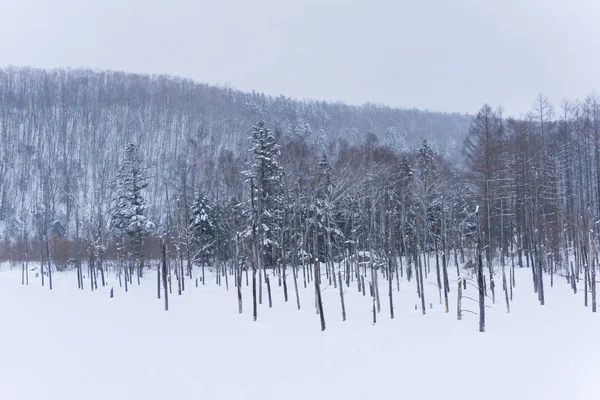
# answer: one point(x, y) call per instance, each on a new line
point(68, 344)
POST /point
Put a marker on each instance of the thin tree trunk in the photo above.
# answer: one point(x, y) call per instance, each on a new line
point(342, 296)
point(459, 300)
point(295, 274)
point(318, 289)
point(480, 281)
point(158, 281)
point(390, 288)
point(49, 264)
point(164, 274)
point(268, 282)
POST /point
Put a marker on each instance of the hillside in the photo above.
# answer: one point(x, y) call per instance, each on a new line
point(64, 131)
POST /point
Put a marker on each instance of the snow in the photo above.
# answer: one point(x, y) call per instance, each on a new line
point(71, 344)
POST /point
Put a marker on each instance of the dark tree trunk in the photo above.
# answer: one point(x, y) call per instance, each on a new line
point(164, 274)
point(342, 296)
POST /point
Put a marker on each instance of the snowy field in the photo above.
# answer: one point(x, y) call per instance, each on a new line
point(68, 344)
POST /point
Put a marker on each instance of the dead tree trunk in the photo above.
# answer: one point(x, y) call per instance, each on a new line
point(164, 274)
point(268, 282)
point(158, 280)
point(238, 272)
point(295, 273)
point(459, 300)
point(390, 287)
point(49, 264)
point(254, 253)
point(480, 282)
point(317, 281)
point(342, 295)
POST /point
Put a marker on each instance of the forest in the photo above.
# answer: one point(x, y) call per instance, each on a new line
point(104, 170)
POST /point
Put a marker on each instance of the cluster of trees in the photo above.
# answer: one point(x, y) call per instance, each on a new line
point(537, 181)
point(105, 165)
point(63, 133)
point(297, 208)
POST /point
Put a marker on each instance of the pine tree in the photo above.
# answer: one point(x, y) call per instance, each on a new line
point(128, 209)
point(428, 188)
point(322, 210)
point(407, 212)
point(267, 175)
point(202, 228)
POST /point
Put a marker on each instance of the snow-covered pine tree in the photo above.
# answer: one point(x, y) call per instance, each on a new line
point(406, 206)
point(128, 209)
point(202, 229)
point(429, 187)
point(323, 210)
point(267, 176)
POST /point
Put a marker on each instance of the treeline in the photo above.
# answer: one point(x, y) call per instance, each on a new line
point(537, 182)
point(106, 166)
point(63, 132)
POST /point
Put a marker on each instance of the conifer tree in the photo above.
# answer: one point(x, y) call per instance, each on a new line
point(202, 228)
point(322, 210)
point(267, 175)
point(128, 209)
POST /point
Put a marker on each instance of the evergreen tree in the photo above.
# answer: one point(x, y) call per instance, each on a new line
point(406, 205)
point(267, 175)
point(427, 190)
point(129, 206)
point(202, 228)
point(322, 210)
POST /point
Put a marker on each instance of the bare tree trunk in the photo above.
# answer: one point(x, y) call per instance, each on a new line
point(504, 284)
point(254, 252)
point(480, 282)
point(254, 306)
point(49, 264)
point(164, 273)
point(158, 281)
point(317, 281)
point(283, 262)
point(593, 273)
point(437, 270)
point(444, 261)
point(390, 288)
point(420, 283)
point(342, 296)
point(268, 282)
point(459, 300)
point(238, 282)
point(374, 305)
point(375, 280)
point(176, 261)
point(181, 272)
point(101, 266)
point(295, 273)
point(26, 262)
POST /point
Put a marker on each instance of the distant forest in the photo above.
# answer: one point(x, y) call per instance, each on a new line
point(63, 134)
point(102, 166)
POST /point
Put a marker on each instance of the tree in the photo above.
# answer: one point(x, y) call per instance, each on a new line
point(202, 229)
point(267, 175)
point(322, 210)
point(483, 149)
point(129, 206)
point(427, 191)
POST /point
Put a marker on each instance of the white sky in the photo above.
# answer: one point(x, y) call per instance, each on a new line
point(447, 55)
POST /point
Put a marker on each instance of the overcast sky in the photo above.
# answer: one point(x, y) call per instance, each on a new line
point(447, 55)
